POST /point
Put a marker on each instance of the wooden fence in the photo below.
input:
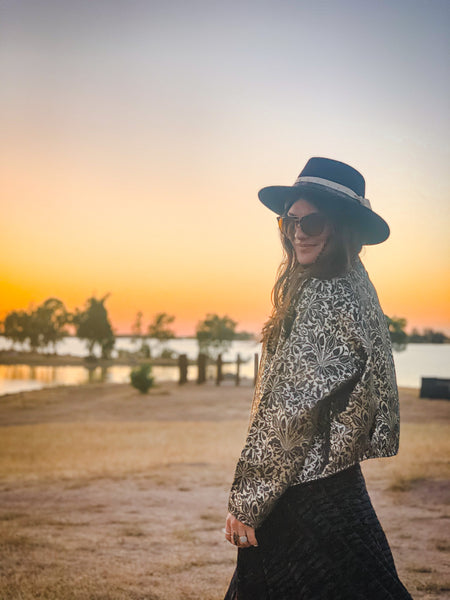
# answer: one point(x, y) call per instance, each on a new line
point(202, 363)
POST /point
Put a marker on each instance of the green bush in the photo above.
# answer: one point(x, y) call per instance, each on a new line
point(141, 378)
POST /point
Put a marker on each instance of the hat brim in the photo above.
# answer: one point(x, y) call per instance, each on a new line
point(373, 228)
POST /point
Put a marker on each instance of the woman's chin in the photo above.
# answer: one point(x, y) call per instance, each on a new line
point(307, 255)
point(305, 261)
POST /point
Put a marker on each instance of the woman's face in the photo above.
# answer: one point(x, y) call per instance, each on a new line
point(307, 247)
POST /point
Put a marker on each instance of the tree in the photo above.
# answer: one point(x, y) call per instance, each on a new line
point(434, 337)
point(136, 329)
point(137, 336)
point(429, 336)
point(49, 321)
point(159, 328)
point(15, 326)
point(415, 337)
point(92, 324)
point(399, 337)
point(215, 334)
point(245, 335)
point(41, 326)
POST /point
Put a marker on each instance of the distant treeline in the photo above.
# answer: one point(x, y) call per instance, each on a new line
point(50, 322)
point(429, 336)
point(399, 337)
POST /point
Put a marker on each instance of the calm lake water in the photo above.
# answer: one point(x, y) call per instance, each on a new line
point(418, 360)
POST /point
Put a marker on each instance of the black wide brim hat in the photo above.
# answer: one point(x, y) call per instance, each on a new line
point(335, 187)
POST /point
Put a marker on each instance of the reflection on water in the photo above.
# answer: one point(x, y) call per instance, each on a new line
point(17, 378)
point(418, 360)
point(44, 375)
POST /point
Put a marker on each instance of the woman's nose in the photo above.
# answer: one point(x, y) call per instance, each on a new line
point(300, 234)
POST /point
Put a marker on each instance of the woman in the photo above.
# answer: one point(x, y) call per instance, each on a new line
point(326, 399)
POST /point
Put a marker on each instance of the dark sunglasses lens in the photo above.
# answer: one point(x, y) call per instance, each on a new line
point(313, 224)
point(286, 224)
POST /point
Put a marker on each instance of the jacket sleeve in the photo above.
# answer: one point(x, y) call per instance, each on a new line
point(317, 364)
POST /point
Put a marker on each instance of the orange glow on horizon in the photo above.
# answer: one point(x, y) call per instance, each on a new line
point(250, 307)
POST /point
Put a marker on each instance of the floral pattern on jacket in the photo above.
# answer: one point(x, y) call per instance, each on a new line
point(326, 396)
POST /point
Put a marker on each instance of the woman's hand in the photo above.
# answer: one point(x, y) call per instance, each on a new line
point(239, 534)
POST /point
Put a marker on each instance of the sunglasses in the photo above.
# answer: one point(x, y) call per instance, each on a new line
point(312, 224)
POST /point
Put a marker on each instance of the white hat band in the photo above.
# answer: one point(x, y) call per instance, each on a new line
point(335, 186)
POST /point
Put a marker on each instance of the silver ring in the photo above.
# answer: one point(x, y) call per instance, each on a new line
point(243, 539)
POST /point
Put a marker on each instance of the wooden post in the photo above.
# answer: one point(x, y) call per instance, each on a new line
point(238, 369)
point(219, 376)
point(255, 368)
point(183, 366)
point(201, 363)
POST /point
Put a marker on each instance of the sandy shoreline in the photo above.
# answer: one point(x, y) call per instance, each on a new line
point(108, 494)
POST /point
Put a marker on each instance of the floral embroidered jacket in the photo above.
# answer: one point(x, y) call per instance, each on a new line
point(326, 396)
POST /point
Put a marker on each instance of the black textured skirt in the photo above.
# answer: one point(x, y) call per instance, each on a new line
point(322, 541)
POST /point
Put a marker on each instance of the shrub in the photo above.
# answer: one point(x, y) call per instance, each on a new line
point(141, 378)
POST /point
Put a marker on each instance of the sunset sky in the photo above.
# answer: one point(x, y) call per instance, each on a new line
point(135, 136)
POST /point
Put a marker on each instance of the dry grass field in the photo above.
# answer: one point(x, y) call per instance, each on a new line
point(106, 494)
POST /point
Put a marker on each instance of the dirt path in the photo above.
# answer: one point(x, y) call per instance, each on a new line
point(155, 534)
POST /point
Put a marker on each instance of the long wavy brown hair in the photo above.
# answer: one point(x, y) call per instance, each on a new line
point(338, 254)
